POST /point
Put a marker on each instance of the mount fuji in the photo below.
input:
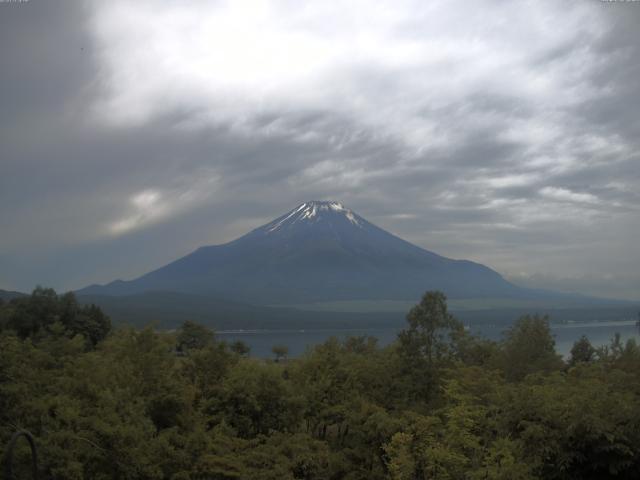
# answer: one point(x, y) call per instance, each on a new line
point(319, 251)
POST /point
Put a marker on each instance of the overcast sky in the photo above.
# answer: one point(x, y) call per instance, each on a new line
point(505, 132)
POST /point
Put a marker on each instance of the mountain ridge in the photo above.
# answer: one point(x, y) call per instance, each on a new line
point(7, 295)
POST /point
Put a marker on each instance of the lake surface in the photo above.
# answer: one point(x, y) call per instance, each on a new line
point(298, 341)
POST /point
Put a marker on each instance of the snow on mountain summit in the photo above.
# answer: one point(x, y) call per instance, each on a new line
point(313, 211)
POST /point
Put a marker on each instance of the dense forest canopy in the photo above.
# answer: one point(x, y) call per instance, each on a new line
point(438, 403)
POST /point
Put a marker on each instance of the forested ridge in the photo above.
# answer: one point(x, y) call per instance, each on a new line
point(124, 403)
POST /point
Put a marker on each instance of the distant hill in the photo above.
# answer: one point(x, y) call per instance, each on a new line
point(7, 295)
point(170, 309)
point(319, 251)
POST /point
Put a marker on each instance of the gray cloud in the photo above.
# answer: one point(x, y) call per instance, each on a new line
point(132, 133)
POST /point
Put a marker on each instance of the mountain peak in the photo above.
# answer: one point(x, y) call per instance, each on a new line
point(313, 211)
point(319, 251)
point(313, 207)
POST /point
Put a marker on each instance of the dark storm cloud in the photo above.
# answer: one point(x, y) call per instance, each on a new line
point(46, 58)
point(475, 132)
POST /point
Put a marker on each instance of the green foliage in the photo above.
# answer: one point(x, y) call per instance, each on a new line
point(529, 347)
point(280, 351)
point(582, 351)
point(574, 426)
point(429, 326)
point(255, 399)
point(193, 336)
point(436, 404)
point(428, 343)
point(240, 348)
point(44, 313)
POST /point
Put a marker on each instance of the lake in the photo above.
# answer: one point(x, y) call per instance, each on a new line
point(261, 341)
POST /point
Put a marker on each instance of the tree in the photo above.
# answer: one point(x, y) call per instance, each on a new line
point(582, 351)
point(32, 314)
point(280, 351)
point(430, 324)
point(240, 348)
point(88, 320)
point(529, 347)
point(254, 399)
point(361, 345)
point(194, 336)
point(428, 342)
point(45, 313)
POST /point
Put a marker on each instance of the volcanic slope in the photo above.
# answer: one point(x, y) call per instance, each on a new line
point(319, 251)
